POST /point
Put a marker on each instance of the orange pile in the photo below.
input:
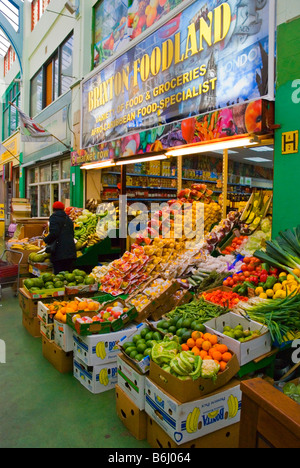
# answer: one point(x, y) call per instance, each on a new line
point(61, 309)
point(206, 346)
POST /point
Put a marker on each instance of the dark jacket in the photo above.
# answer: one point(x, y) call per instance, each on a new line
point(61, 228)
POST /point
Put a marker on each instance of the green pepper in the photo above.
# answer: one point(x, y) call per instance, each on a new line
point(271, 281)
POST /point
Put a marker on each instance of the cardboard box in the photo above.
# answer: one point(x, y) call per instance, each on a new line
point(96, 379)
point(96, 350)
point(131, 381)
point(47, 331)
point(249, 350)
point(63, 336)
point(44, 314)
point(63, 362)
point(134, 419)
point(224, 438)
point(188, 390)
point(32, 325)
point(46, 293)
point(28, 305)
point(185, 422)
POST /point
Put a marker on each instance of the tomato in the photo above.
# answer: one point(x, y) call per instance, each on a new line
point(247, 260)
point(242, 278)
point(226, 283)
point(188, 127)
point(247, 274)
point(235, 278)
point(250, 267)
point(244, 268)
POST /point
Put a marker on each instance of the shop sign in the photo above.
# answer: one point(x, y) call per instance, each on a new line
point(290, 142)
point(13, 147)
point(211, 56)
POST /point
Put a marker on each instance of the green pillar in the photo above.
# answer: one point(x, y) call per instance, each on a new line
point(77, 187)
point(286, 206)
point(22, 181)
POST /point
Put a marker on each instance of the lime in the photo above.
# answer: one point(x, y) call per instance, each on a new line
point(144, 332)
point(226, 329)
point(172, 329)
point(150, 343)
point(187, 323)
point(136, 338)
point(139, 357)
point(147, 352)
point(200, 327)
point(165, 325)
point(149, 336)
point(186, 336)
point(179, 323)
point(133, 354)
point(156, 336)
point(127, 345)
point(141, 348)
point(238, 334)
point(130, 350)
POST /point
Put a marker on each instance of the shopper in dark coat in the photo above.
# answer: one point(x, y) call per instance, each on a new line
point(61, 230)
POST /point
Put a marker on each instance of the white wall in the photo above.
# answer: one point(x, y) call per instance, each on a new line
point(287, 10)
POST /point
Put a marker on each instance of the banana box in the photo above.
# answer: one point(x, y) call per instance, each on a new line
point(97, 379)
point(131, 381)
point(63, 336)
point(95, 350)
point(184, 422)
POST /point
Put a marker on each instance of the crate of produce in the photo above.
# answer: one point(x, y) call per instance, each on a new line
point(39, 288)
point(139, 355)
point(246, 338)
point(109, 317)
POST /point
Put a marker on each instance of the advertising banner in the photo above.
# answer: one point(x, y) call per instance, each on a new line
point(211, 56)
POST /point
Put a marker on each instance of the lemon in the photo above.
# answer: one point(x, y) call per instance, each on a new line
point(282, 275)
point(290, 278)
point(259, 291)
point(263, 296)
point(270, 293)
point(280, 294)
point(277, 287)
point(296, 272)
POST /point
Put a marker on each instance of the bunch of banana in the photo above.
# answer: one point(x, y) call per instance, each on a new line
point(192, 421)
point(233, 406)
point(100, 350)
point(103, 377)
point(93, 239)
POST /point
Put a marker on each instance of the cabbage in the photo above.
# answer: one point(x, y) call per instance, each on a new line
point(266, 225)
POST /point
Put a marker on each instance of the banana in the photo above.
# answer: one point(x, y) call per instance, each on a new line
point(192, 421)
point(233, 406)
point(100, 350)
point(103, 377)
point(213, 414)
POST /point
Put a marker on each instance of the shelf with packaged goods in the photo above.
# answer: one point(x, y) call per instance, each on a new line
point(140, 187)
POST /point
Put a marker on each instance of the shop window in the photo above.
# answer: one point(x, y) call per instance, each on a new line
point(10, 118)
point(53, 79)
point(47, 184)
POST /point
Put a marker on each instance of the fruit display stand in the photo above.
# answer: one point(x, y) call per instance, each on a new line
point(103, 250)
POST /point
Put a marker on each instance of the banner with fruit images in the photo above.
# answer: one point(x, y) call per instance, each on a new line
point(210, 56)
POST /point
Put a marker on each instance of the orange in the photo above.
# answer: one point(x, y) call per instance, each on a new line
point(203, 353)
point(216, 355)
point(199, 342)
point(222, 348)
point(196, 335)
point(223, 365)
point(196, 351)
point(185, 347)
point(213, 339)
point(226, 357)
point(207, 358)
point(206, 345)
point(191, 343)
point(206, 336)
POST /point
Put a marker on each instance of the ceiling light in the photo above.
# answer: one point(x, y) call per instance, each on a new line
point(258, 160)
point(262, 149)
point(210, 147)
point(159, 157)
point(98, 165)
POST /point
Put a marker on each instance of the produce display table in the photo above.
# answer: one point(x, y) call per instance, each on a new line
point(104, 249)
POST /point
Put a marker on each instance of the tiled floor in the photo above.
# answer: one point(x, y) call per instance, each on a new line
point(41, 408)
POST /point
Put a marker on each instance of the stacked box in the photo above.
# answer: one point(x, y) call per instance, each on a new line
point(132, 417)
point(62, 361)
point(97, 379)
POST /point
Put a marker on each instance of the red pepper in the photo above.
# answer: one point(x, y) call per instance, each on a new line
point(263, 278)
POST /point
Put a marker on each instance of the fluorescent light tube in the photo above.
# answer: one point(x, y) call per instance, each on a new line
point(138, 160)
point(209, 147)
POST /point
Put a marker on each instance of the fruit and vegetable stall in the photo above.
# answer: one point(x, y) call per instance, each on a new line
point(173, 330)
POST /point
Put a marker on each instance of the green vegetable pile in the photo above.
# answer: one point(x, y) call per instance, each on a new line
point(292, 390)
point(213, 280)
point(281, 316)
point(199, 310)
point(184, 365)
